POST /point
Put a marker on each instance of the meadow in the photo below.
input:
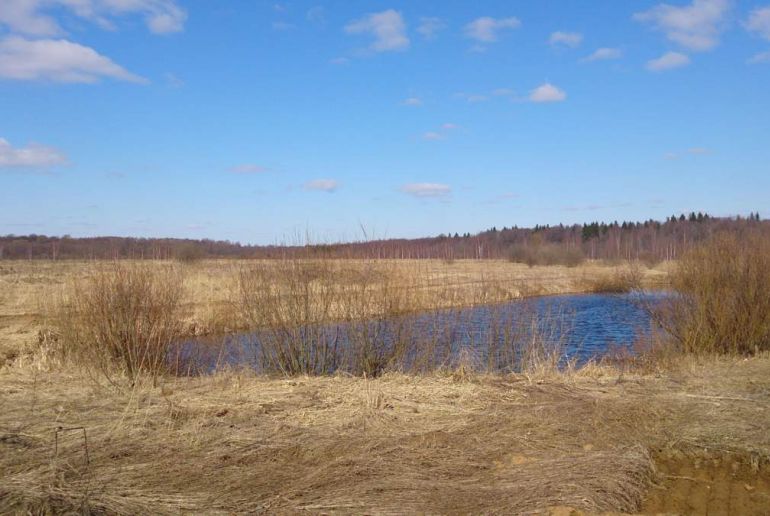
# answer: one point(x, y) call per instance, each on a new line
point(110, 429)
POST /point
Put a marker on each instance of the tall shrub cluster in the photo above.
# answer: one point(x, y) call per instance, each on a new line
point(122, 319)
point(723, 296)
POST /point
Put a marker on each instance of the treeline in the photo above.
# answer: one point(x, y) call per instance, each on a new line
point(650, 241)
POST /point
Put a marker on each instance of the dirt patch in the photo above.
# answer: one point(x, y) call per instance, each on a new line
point(709, 483)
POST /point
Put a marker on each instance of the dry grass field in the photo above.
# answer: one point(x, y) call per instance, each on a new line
point(684, 435)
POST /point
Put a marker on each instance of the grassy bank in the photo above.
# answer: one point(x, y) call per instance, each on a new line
point(234, 442)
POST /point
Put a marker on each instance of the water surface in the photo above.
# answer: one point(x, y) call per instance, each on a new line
point(577, 327)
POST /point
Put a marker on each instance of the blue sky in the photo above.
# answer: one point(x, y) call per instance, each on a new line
point(260, 121)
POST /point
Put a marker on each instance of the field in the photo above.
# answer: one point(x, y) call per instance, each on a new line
point(684, 434)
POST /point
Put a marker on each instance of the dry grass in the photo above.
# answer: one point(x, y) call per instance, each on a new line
point(236, 443)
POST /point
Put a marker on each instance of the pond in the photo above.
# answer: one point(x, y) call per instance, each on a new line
point(502, 337)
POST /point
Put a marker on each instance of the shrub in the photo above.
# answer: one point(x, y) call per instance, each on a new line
point(317, 316)
point(723, 296)
point(546, 254)
point(122, 319)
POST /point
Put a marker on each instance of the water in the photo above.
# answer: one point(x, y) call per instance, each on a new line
point(498, 337)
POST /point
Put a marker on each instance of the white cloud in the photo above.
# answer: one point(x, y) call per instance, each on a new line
point(412, 101)
point(448, 126)
point(547, 92)
point(387, 27)
point(503, 92)
point(604, 54)
point(426, 189)
point(57, 60)
point(32, 156)
point(696, 26)
point(486, 29)
point(339, 61)
point(322, 185)
point(668, 61)
point(248, 168)
point(33, 17)
point(432, 136)
point(430, 27)
point(699, 150)
point(569, 39)
point(759, 22)
point(762, 57)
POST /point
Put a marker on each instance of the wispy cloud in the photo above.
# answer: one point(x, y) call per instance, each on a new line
point(32, 156)
point(316, 15)
point(426, 190)
point(486, 29)
point(430, 27)
point(57, 60)
point(387, 28)
point(568, 39)
point(762, 57)
point(668, 61)
point(547, 92)
point(696, 26)
point(759, 22)
point(440, 134)
point(33, 17)
point(472, 97)
point(412, 101)
point(248, 168)
point(604, 54)
point(339, 61)
point(322, 185)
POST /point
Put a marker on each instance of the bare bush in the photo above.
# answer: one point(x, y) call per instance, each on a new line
point(122, 318)
point(723, 296)
point(315, 316)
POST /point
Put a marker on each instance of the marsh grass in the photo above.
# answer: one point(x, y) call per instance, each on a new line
point(619, 281)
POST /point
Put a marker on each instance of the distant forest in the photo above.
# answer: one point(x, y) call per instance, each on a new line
point(650, 241)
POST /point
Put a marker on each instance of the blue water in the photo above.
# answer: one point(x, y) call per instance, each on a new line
point(578, 328)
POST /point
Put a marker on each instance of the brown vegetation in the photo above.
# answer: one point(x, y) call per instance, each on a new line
point(122, 319)
point(723, 301)
point(453, 439)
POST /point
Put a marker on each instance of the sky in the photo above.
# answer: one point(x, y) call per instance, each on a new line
point(264, 122)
